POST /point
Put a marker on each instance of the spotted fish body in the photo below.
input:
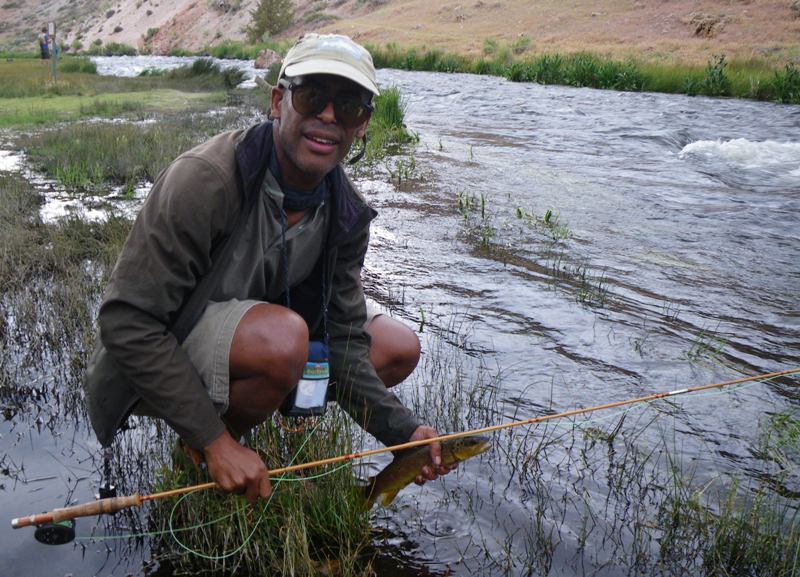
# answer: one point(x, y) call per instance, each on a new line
point(384, 487)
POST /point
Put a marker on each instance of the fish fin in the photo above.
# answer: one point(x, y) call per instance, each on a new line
point(367, 494)
point(387, 497)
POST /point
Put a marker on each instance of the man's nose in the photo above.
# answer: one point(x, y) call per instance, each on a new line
point(327, 115)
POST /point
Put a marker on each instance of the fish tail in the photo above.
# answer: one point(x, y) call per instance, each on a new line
point(371, 493)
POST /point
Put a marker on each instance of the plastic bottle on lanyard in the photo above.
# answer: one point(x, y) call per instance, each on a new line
point(310, 396)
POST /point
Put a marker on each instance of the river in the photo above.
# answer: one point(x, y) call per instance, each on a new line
point(670, 258)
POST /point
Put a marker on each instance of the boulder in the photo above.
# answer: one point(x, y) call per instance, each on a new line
point(707, 25)
point(266, 58)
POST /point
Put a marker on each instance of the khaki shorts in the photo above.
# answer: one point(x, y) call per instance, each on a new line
point(209, 344)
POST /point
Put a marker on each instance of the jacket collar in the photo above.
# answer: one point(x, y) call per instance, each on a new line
point(350, 213)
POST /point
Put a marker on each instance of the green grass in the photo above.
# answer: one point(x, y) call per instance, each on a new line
point(313, 519)
point(205, 72)
point(111, 49)
point(27, 77)
point(47, 109)
point(387, 131)
point(92, 156)
point(239, 51)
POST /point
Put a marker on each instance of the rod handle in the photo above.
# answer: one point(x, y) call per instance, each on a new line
point(99, 507)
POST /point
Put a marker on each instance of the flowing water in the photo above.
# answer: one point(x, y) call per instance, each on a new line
point(670, 258)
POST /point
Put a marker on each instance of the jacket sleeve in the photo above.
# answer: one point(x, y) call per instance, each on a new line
point(358, 388)
point(166, 253)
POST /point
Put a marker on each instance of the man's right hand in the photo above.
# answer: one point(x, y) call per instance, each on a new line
point(237, 469)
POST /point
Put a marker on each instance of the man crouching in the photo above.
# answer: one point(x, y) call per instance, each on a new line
point(246, 254)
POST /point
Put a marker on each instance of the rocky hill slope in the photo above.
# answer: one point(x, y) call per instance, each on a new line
point(657, 30)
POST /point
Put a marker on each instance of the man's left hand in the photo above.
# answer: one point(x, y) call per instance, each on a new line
point(431, 472)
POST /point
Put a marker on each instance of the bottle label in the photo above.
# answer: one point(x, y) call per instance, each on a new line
point(313, 387)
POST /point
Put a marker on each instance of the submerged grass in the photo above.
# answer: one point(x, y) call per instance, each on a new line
point(51, 277)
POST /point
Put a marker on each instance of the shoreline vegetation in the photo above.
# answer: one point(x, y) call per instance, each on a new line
point(751, 79)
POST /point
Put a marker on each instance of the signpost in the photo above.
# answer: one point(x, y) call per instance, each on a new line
point(51, 33)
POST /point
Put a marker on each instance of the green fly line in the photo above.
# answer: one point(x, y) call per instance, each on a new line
point(173, 531)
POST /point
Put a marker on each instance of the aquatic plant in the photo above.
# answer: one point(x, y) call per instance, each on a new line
point(479, 225)
point(549, 223)
point(401, 169)
point(705, 345)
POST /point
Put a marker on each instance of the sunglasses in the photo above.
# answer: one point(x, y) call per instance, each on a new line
point(311, 99)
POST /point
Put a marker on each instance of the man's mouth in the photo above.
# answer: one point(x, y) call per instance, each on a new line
point(321, 138)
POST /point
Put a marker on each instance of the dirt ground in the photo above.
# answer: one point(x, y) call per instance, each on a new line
point(655, 30)
point(684, 30)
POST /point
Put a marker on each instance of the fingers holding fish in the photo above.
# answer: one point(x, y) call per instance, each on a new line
point(434, 469)
point(415, 465)
point(431, 472)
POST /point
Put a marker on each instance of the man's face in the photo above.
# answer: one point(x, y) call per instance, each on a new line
point(309, 146)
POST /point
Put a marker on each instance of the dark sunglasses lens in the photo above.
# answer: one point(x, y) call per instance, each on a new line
point(311, 100)
point(350, 112)
point(308, 100)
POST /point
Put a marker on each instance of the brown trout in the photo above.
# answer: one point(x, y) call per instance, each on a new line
point(404, 469)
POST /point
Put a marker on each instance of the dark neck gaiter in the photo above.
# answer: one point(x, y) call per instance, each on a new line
point(296, 200)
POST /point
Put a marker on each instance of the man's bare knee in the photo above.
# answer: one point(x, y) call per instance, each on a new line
point(395, 349)
point(271, 342)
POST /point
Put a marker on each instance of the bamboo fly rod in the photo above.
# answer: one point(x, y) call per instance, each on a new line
point(115, 504)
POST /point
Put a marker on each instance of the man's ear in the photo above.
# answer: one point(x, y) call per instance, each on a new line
point(362, 130)
point(276, 97)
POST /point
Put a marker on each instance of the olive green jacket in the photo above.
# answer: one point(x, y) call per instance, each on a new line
point(192, 207)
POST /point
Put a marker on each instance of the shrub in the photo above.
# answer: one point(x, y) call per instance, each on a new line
point(521, 44)
point(270, 17)
point(716, 82)
point(80, 65)
point(786, 85)
point(210, 70)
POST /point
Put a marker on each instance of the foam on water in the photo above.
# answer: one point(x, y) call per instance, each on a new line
point(747, 154)
point(10, 160)
point(127, 66)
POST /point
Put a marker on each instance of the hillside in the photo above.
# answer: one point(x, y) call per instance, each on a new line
point(658, 30)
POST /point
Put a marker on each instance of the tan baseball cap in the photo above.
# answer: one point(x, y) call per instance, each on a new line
point(330, 54)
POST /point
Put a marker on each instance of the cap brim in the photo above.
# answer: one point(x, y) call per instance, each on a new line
point(331, 67)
